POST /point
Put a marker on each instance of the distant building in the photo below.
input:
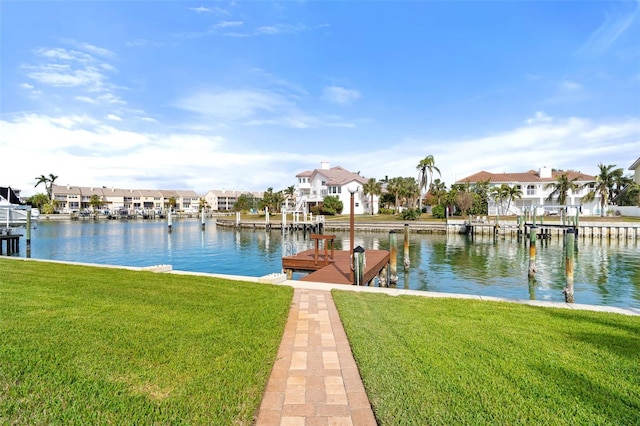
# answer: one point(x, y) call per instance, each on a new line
point(313, 185)
point(221, 200)
point(71, 199)
point(532, 184)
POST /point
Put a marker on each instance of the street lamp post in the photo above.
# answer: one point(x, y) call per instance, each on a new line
point(353, 188)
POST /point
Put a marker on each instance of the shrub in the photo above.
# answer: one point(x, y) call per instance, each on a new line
point(438, 212)
point(385, 211)
point(410, 214)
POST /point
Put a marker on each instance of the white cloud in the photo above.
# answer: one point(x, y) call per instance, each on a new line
point(571, 86)
point(616, 22)
point(228, 24)
point(113, 117)
point(86, 99)
point(540, 117)
point(26, 86)
point(340, 95)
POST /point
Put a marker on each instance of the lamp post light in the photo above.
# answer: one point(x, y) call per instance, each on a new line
point(352, 188)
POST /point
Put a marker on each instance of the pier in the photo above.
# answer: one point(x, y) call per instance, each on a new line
point(12, 243)
point(333, 266)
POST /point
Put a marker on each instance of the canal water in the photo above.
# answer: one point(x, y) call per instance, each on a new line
point(606, 272)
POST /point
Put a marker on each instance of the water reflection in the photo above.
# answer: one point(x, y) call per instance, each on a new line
point(606, 273)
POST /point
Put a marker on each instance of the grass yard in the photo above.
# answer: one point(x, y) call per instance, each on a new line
point(87, 345)
point(447, 361)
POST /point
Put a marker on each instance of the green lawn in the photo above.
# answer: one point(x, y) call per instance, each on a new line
point(85, 345)
point(447, 361)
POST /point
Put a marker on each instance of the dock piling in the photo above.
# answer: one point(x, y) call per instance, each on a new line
point(569, 254)
point(532, 251)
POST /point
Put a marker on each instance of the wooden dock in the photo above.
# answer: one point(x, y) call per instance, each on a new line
point(336, 270)
point(12, 242)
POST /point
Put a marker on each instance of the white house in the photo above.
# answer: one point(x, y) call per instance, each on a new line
point(313, 185)
point(532, 184)
point(636, 170)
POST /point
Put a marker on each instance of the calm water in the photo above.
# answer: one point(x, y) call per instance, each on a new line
point(606, 273)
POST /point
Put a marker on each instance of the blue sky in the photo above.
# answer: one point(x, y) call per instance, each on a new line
point(244, 95)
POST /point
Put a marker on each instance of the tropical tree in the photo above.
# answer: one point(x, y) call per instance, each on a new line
point(95, 201)
point(438, 189)
point(561, 188)
point(394, 186)
point(38, 200)
point(409, 191)
point(290, 193)
point(425, 168)
point(202, 204)
point(48, 182)
point(372, 187)
point(173, 202)
point(331, 205)
point(245, 202)
point(506, 193)
point(604, 185)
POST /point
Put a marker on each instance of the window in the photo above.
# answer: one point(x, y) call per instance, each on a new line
point(531, 190)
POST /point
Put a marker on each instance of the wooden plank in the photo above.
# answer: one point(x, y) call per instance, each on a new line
point(338, 270)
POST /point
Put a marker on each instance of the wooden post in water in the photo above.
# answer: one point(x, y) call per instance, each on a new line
point(569, 249)
point(532, 252)
point(406, 259)
point(29, 233)
point(393, 260)
point(169, 220)
point(202, 218)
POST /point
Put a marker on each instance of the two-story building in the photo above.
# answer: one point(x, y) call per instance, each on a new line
point(635, 167)
point(532, 185)
point(313, 185)
point(75, 198)
point(221, 200)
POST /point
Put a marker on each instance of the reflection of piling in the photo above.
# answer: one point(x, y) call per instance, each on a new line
point(169, 220)
point(406, 259)
point(569, 249)
point(393, 260)
point(532, 251)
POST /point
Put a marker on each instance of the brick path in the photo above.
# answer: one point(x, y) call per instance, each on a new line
point(314, 380)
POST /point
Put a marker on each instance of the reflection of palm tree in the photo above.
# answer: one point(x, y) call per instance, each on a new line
point(425, 168)
point(561, 188)
point(372, 187)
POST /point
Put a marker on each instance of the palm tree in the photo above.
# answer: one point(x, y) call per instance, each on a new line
point(425, 168)
point(290, 193)
point(409, 190)
point(47, 181)
point(561, 188)
point(605, 181)
point(394, 186)
point(372, 187)
point(438, 189)
point(512, 193)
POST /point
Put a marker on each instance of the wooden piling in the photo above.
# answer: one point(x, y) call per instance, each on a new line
point(358, 265)
point(393, 259)
point(569, 254)
point(532, 251)
point(169, 221)
point(202, 218)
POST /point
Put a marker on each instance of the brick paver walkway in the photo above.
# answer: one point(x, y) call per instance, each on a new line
point(315, 380)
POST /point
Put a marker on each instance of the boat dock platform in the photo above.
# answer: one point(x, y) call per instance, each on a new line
point(331, 266)
point(13, 243)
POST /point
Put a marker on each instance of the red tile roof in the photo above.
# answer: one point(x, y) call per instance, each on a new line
point(524, 177)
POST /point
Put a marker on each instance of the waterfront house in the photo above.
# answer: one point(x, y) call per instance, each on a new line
point(532, 185)
point(313, 185)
